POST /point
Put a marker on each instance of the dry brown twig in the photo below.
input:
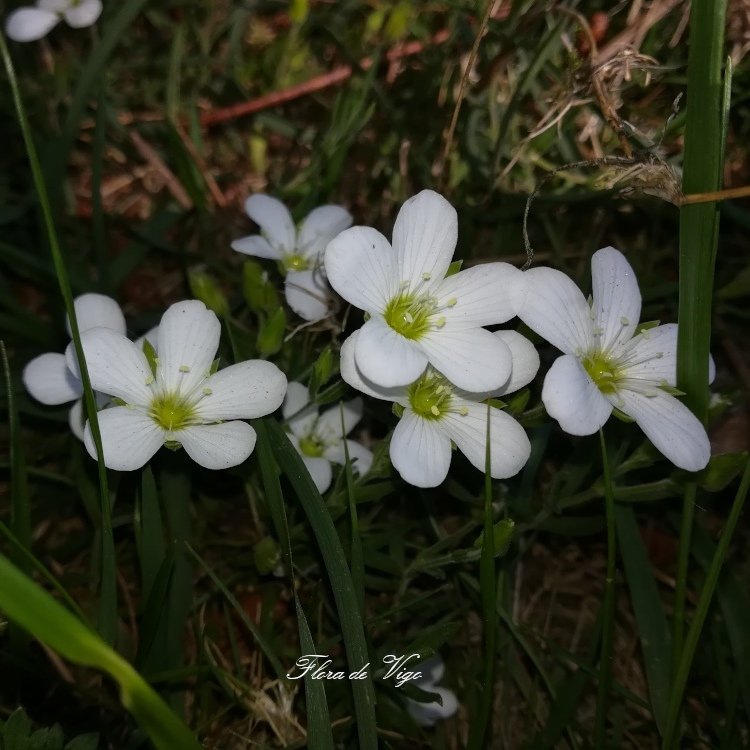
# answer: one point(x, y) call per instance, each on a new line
point(172, 183)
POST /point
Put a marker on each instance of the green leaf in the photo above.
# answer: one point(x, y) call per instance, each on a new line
point(37, 612)
point(503, 531)
point(722, 470)
point(344, 593)
point(204, 288)
point(84, 742)
point(260, 294)
point(649, 613)
point(271, 335)
point(17, 730)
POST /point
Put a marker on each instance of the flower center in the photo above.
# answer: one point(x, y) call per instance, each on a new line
point(409, 315)
point(430, 397)
point(172, 412)
point(311, 446)
point(601, 371)
point(295, 262)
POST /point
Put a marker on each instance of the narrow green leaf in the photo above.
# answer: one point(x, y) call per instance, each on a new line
point(350, 620)
point(649, 613)
point(150, 531)
point(47, 620)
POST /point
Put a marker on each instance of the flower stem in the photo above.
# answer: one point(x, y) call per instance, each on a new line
point(605, 659)
point(704, 602)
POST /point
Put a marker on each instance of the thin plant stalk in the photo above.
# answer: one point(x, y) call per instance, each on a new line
point(699, 226)
point(605, 659)
point(704, 602)
point(108, 598)
point(488, 592)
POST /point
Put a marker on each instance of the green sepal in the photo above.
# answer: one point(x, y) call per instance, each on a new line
point(397, 409)
point(622, 416)
point(173, 445)
point(647, 325)
point(150, 354)
point(454, 268)
point(671, 390)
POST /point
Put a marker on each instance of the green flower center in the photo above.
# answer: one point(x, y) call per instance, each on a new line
point(409, 315)
point(295, 262)
point(601, 371)
point(311, 446)
point(430, 397)
point(172, 412)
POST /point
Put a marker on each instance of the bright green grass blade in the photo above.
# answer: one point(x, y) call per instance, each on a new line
point(357, 558)
point(265, 647)
point(350, 620)
point(108, 594)
point(319, 733)
point(19, 488)
point(649, 613)
point(47, 620)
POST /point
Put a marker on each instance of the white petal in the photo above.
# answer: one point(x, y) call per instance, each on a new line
point(217, 446)
point(482, 295)
point(297, 398)
point(275, 221)
point(329, 422)
point(573, 399)
point(387, 358)
point(48, 379)
point(420, 451)
point(555, 308)
point(509, 445)
point(424, 236)
point(115, 364)
point(360, 457)
point(525, 359)
point(651, 355)
point(97, 311)
point(617, 299)
point(188, 340)
point(243, 391)
point(361, 267)
point(474, 359)
point(76, 419)
point(320, 471)
point(351, 374)
point(427, 714)
point(257, 246)
point(670, 426)
point(129, 438)
point(85, 13)
point(307, 294)
point(30, 24)
point(319, 227)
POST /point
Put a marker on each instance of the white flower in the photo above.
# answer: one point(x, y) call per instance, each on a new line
point(47, 377)
point(181, 403)
point(319, 439)
point(607, 362)
point(27, 24)
point(427, 714)
point(436, 414)
point(298, 252)
point(417, 315)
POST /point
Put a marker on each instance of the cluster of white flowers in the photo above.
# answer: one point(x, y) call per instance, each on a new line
point(424, 347)
point(27, 24)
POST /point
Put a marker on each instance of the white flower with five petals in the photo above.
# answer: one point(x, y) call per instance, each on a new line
point(428, 714)
point(181, 403)
point(417, 315)
point(299, 252)
point(320, 439)
point(607, 361)
point(47, 377)
point(436, 414)
point(27, 24)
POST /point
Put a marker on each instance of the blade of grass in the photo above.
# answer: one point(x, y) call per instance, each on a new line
point(357, 563)
point(699, 230)
point(649, 613)
point(608, 607)
point(149, 532)
point(20, 513)
point(47, 620)
point(488, 591)
point(319, 731)
point(108, 591)
point(671, 736)
point(350, 620)
point(265, 647)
